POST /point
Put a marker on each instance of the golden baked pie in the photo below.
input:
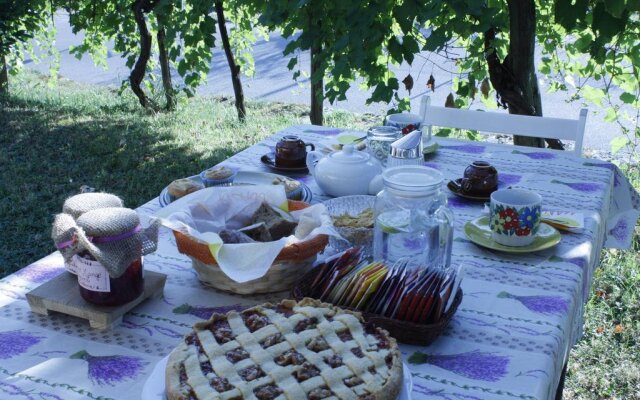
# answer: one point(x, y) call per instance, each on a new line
point(292, 350)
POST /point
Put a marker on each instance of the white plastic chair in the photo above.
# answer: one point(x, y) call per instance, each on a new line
point(541, 127)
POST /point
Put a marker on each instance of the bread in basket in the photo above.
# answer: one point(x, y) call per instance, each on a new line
point(292, 261)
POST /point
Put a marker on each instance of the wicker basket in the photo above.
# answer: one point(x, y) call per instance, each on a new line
point(403, 331)
point(293, 260)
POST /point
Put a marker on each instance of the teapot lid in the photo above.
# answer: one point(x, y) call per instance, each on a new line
point(349, 155)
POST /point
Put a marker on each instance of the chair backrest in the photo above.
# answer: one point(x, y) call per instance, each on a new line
point(541, 127)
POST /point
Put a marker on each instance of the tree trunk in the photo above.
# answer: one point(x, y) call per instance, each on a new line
point(140, 8)
point(515, 79)
point(317, 89)
point(169, 93)
point(522, 30)
point(235, 69)
point(4, 75)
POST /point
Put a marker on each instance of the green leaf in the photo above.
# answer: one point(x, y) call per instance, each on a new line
point(395, 49)
point(594, 95)
point(418, 358)
point(611, 115)
point(615, 7)
point(618, 143)
point(584, 42)
point(567, 13)
point(292, 63)
point(628, 98)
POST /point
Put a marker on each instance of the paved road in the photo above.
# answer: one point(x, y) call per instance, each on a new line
point(273, 82)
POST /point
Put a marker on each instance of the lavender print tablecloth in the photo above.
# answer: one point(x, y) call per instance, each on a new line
point(509, 339)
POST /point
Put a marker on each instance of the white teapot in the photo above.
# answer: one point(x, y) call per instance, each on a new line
point(346, 172)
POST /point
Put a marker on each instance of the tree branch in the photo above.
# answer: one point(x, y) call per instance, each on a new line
point(140, 8)
point(165, 69)
point(235, 69)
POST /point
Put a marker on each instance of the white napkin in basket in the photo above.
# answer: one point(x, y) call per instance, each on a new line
point(202, 214)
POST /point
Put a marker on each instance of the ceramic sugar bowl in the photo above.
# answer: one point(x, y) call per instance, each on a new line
point(346, 172)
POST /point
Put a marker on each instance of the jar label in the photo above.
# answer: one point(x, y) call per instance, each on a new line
point(92, 275)
point(71, 266)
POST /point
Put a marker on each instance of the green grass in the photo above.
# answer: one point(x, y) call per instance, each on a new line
point(55, 140)
point(605, 364)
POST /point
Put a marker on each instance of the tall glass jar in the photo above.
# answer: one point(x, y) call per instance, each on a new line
point(412, 220)
point(379, 139)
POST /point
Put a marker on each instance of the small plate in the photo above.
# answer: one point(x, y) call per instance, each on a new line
point(269, 161)
point(154, 387)
point(454, 189)
point(247, 178)
point(430, 148)
point(357, 138)
point(478, 232)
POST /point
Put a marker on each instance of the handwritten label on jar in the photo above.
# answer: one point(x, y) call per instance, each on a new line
point(71, 266)
point(92, 275)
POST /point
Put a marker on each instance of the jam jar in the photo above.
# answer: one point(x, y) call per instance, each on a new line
point(77, 205)
point(97, 287)
point(110, 267)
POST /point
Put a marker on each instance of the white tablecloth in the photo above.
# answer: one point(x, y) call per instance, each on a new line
point(508, 340)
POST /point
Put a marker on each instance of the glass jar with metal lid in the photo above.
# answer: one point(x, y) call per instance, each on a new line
point(411, 219)
point(379, 139)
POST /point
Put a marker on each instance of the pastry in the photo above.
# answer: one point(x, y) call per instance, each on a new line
point(292, 187)
point(293, 350)
point(182, 187)
point(218, 173)
point(217, 176)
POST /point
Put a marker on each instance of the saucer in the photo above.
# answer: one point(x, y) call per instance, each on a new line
point(430, 148)
point(478, 232)
point(268, 160)
point(458, 192)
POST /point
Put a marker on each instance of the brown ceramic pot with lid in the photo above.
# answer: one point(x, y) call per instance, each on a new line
point(291, 152)
point(480, 178)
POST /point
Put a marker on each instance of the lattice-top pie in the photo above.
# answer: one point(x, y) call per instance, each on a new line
point(293, 350)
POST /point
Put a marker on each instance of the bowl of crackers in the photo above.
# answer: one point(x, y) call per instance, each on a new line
point(352, 216)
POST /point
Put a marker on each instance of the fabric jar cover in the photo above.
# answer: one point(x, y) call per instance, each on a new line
point(84, 202)
point(74, 207)
point(113, 236)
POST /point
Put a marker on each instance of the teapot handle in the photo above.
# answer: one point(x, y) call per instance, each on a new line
point(312, 159)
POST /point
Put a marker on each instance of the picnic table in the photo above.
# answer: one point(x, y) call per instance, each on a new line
point(510, 337)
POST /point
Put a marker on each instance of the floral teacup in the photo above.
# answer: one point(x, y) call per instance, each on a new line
point(515, 216)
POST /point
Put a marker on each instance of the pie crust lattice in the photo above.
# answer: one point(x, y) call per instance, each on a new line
point(293, 350)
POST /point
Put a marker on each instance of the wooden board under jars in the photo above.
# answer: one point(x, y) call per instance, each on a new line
point(61, 295)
